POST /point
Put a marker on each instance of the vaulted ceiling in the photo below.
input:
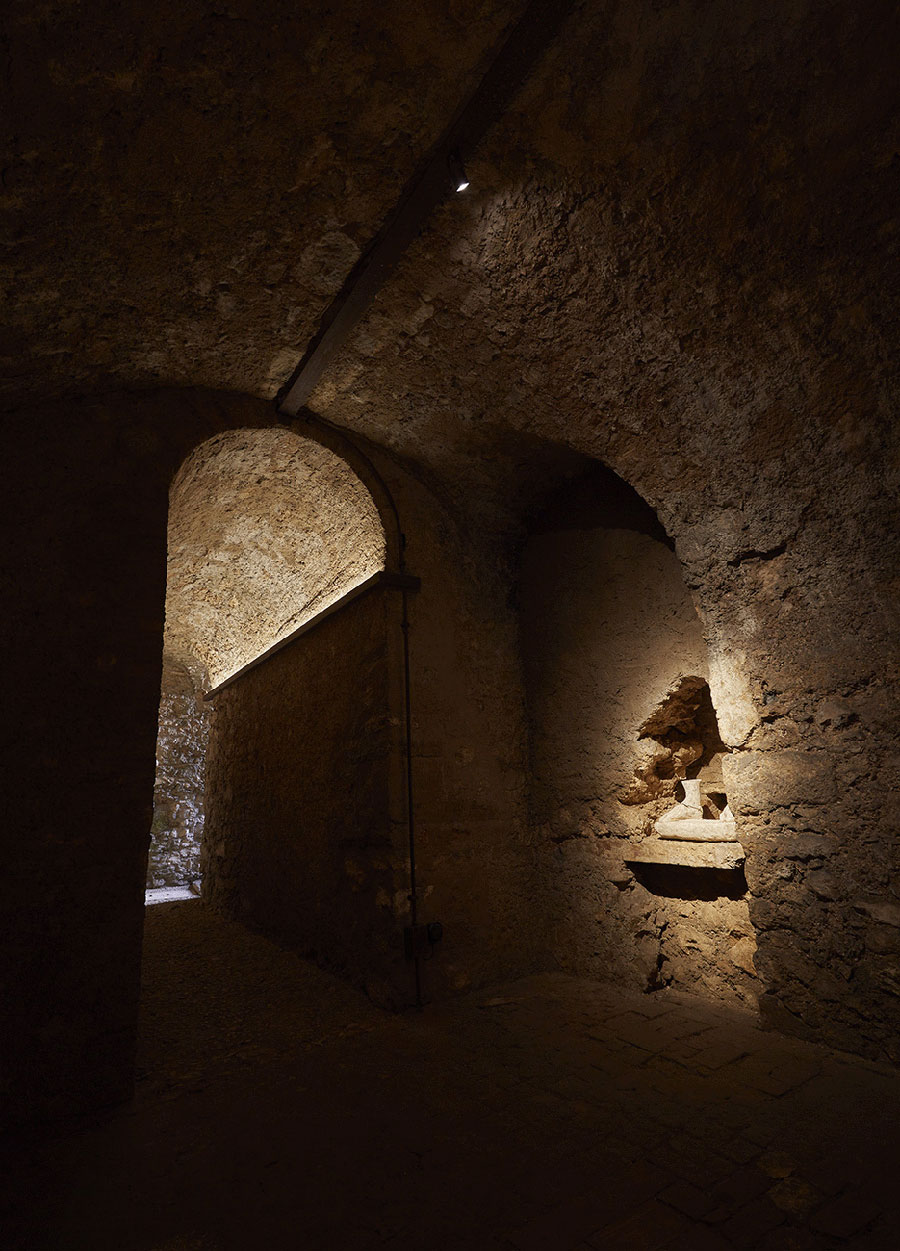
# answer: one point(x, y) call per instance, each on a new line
point(187, 184)
point(676, 254)
point(265, 531)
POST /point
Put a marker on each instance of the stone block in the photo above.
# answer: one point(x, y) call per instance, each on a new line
point(689, 855)
point(758, 781)
point(736, 712)
point(804, 846)
point(884, 912)
point(822, 884)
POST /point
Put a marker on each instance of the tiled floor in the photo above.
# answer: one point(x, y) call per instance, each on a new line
point(278, 1109)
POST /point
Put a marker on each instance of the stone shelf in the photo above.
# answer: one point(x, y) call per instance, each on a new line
point(687, 855)
point(698, 831)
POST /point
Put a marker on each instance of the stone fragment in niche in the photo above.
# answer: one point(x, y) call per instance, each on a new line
point(687, 821)
point(683, 731)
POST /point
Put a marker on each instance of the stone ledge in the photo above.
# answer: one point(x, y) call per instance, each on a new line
point(688, 855)
point(697, 831)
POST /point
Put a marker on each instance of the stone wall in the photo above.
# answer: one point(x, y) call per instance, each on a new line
point(609, 630)
point(304, 837)
point(241, 161)
point(677, 257)
point(84, 584)
point(475, 860)
point(800, 668)
point(476, 867)
point(178, 794)
point(683, 266)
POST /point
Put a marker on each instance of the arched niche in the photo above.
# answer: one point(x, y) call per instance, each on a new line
point(619, 711)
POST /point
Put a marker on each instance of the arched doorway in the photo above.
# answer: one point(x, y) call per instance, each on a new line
point(266, 531)
point(278, 708)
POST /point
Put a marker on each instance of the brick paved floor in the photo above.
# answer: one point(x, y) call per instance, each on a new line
point(278, 1109)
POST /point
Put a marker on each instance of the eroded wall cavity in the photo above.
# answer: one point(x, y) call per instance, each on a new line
point(619, 710)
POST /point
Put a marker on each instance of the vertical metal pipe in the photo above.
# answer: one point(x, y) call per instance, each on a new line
point(313, 419)
point(410, 816)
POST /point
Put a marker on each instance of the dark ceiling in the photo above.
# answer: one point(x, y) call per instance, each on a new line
point(678, 252)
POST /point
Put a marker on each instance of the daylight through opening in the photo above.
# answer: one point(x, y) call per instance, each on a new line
point(267, 530)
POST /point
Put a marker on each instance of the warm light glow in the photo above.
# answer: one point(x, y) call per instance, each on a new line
point(457, 171)
point(266, 530)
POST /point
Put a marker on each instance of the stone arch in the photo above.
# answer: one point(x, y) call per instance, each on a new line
point(353, 452)
point(268, 527)
point(620, 707)
point(188, 418)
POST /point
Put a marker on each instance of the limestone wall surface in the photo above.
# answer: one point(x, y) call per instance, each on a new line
point(608, 630)
point(266, 529)
point(178, 793)
point(302, 840)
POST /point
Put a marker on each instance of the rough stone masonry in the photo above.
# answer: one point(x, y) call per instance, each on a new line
point(677, 259)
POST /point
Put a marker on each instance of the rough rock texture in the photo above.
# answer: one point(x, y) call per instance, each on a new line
point(174, 856)
point(84, 589)
point(303, 779)
point(677, 258)
point(614, 663)
point(265, 530)
point(213, 169)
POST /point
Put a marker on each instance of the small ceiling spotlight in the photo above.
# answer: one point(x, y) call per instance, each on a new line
point(457, 172)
